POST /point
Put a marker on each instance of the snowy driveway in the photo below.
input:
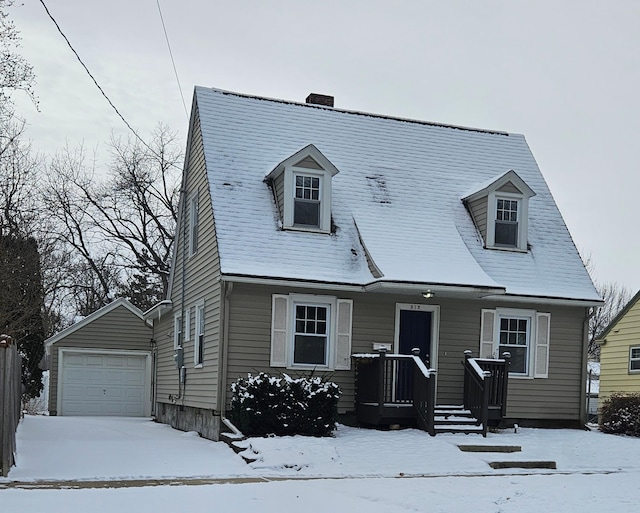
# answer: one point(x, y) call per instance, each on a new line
point(112, 448)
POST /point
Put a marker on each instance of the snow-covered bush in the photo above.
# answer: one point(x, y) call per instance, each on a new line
point(621, 414)
point(280, 405)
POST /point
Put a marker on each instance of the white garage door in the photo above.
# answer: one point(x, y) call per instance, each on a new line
point(103, 384)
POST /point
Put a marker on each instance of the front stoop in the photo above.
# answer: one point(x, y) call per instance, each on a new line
point(455, 419)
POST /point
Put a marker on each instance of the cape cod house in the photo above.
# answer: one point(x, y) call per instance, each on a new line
point(375, 250)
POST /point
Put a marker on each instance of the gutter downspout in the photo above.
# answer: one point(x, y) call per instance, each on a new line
point(183, 200)
point(227, 289)
point(584, 404)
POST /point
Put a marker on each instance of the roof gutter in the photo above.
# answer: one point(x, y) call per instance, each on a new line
point(376, 286)
point(158, 310)
point(438, 289)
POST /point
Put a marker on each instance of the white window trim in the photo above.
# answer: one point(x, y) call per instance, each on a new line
point(199, 311)
point(523, 219)
point(310, 299)
point(339, 331)
point(193, 225)
point(177, 329)
point(290, 174)
point(537, 342)
point(633, 371)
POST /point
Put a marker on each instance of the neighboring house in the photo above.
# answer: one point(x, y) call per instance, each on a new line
point(620, 352)
point(102, 365)
point(308, 233)
point(593, 390)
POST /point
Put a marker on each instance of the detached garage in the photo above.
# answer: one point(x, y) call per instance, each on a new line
point(102, 365)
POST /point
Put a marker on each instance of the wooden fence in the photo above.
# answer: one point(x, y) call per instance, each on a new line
point(10, 396)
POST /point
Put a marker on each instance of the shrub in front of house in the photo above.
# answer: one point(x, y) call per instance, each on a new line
point(280, 405)
point(620, 414)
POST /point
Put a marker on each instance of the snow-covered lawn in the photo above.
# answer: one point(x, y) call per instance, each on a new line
point(381, 471)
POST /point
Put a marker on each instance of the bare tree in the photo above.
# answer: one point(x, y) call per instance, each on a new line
point(15, 72)
point(120, 228)
point(615, 298)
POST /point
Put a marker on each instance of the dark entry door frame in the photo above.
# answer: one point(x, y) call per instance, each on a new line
point(435, 328)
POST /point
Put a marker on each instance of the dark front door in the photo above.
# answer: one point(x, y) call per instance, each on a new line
point(415, 332)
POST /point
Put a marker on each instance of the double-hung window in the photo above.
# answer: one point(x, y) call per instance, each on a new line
point(506, 227)
point(634, 359)
point(514, 337)
point(311, 335)
point(522, 333)
point(307, 201)
point(198, 341)
point(311, 332)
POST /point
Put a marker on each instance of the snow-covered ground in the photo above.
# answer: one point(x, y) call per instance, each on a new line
point(393, 471)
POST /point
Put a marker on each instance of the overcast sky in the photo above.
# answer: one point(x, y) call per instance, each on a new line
point(564, 73)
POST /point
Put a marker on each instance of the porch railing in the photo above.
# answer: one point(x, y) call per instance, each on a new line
point(485, 387)
point(394, 388)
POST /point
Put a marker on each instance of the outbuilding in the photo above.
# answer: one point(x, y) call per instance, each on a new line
point(102, 365)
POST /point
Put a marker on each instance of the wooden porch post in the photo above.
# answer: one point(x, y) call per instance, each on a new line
point(505, 381)
point(381, 369)
point(465, 386)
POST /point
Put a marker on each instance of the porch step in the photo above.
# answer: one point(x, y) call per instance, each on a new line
point(455, 419)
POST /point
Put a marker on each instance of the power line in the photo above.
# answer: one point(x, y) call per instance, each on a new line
point(98, 85)
point(175, 71)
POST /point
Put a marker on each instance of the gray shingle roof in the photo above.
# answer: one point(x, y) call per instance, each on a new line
point(399, 188)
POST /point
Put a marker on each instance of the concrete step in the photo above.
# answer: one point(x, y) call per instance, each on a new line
point(490, 448)
point(523, 464)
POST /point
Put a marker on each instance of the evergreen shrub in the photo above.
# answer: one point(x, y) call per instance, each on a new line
point(620, 414)
point(280, 405)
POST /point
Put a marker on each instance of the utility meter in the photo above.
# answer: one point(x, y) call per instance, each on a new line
point(178, 357)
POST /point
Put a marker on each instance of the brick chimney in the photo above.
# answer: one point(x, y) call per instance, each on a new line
point(320, 99)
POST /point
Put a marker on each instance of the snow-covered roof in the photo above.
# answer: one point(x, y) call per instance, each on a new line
point(398, 192)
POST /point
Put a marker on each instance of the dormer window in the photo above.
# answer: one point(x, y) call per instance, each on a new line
point(302, 190)
point(506, 228)
point(500, 211)
point(306, 210)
